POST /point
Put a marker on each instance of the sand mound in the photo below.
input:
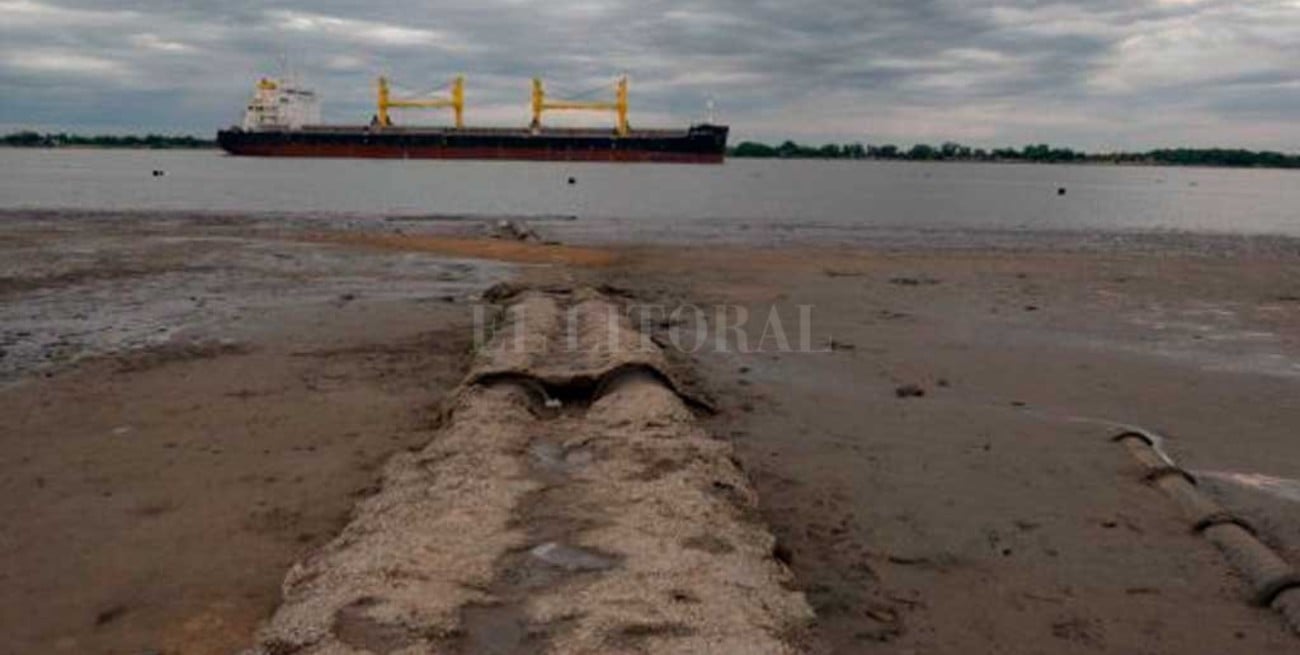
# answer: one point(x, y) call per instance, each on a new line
point(570, 504)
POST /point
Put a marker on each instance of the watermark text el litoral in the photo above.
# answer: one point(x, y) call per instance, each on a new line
point(686, 327)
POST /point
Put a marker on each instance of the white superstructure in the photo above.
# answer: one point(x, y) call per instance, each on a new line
point(281, 104)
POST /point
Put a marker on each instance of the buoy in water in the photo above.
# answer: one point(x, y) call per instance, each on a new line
point(573, 180)
point(1060, 191)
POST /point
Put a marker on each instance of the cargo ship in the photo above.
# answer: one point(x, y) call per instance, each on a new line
point(283, 120)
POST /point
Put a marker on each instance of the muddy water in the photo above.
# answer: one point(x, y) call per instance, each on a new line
point(743, 200)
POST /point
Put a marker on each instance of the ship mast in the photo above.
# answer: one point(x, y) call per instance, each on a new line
point(541, 104)
point(456, 102)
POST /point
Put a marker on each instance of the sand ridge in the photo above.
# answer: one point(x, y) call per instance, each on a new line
point(571, 504)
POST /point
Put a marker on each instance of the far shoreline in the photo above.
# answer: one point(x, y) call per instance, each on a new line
point(947, 152)
point(878, 160)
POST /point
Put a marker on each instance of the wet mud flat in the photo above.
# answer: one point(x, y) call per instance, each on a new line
point(76, 283)
point(941, 468)
point(192, 403)
point(206, 402)
point(248, 396)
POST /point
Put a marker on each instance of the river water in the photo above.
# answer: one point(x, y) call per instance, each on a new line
point(748, 200)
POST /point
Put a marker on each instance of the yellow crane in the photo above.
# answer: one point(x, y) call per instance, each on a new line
point(540, 104)
point(456, 102)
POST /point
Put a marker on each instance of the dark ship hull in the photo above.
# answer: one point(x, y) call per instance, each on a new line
point(700, 144)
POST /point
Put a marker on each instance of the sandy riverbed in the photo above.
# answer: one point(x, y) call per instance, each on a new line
point(196, 402)
point(991, 513)
point(191, 405)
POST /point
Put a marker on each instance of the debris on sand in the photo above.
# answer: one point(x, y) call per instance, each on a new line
point(610, 522)
point(514, 231)
point(919, 281)
point(909, 391)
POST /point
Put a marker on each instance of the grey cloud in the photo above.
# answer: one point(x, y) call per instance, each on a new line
point(1096, 72)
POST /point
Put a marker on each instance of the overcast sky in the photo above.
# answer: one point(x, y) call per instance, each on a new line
point(1094, 74)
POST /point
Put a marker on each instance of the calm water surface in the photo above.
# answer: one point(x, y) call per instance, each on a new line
point(667, 201)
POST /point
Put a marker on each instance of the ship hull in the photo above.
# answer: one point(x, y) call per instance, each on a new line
point(702, 144)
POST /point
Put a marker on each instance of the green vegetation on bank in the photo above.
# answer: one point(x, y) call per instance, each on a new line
point(1041, 153)
point(64, 140)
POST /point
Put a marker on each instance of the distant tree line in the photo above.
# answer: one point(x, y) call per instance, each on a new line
point(1039, 153)
point(64, 140)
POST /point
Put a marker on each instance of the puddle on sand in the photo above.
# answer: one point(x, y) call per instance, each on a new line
point(497, 630)
point(504, 628)
point(554, 458)
point(571, 558)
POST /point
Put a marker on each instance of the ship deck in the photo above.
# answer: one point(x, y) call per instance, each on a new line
point(579, 132)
